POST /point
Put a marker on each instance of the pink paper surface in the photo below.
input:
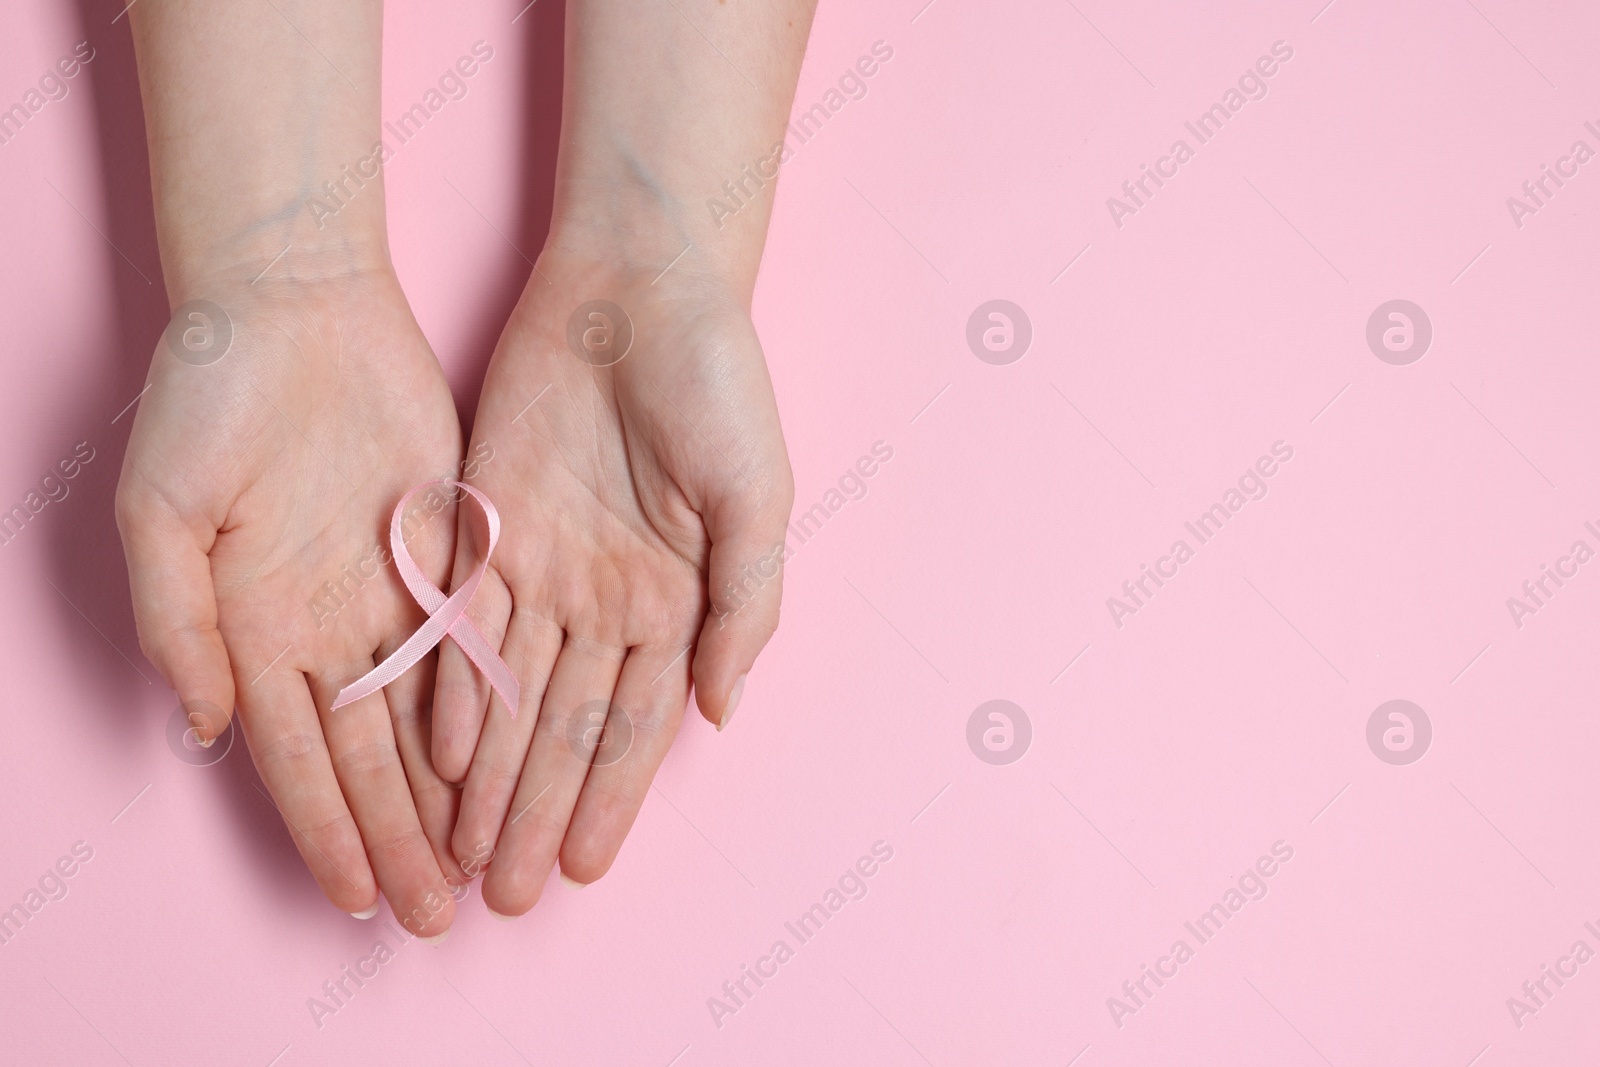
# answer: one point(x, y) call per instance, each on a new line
point(1165, 756)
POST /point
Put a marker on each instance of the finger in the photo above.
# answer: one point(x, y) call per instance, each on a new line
point(280, 725)
point(581, 685)
point(175, 608)
point(745, 586)
point(531, 647)
point(461, 696)
point(366, 762)
point(646, 711)
point(437, 801)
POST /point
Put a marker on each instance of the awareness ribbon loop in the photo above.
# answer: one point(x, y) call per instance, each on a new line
point(446, 614)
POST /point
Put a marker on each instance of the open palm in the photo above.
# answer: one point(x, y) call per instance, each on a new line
point(253, 506)
point(644, 503)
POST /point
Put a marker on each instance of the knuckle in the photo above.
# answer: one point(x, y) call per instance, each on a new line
point(328, 829)
point(499, 777)
point(460, 690)
point(654, 723)
point(432, 793)
point(401, 846)
point(288, 748)
point(608, 808)
point(541, 830)
point(366, 759)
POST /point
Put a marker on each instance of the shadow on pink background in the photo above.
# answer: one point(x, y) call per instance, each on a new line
point(1029, 873)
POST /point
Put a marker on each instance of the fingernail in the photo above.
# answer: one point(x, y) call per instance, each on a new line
point(208, 744)
point(733, 701)
point(437, 939)
point(497, 915)
point(369, 913)
point(572, 883)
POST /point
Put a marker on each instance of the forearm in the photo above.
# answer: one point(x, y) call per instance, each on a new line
point(673, 128)
point(261, 118)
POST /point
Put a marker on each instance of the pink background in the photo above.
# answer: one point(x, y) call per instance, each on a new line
point(1225, 716)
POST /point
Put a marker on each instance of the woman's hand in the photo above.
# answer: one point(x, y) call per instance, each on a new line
point(290, 405)
point(641, 469)
point(641, 475)
point(254, 507)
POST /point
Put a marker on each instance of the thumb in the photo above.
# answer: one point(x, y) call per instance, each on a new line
point(175, 607)
point(745, 587)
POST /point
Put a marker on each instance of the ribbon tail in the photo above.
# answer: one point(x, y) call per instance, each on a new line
point(397, 663)
point(472, 641)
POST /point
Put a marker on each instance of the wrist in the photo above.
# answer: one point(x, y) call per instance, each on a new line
point(643, 225)
point(264, 148)
point(290, 247)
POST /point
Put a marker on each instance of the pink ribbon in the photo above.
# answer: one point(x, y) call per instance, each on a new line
point(446, 615)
